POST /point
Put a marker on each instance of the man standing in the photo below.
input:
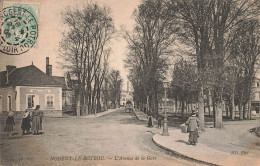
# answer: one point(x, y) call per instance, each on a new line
point(193, 126)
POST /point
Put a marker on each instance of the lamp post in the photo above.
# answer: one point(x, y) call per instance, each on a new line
point(165, 122)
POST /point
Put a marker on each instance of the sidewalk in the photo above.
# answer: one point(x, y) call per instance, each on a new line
point(233, 145)
point(140, 115)
point(101, 113)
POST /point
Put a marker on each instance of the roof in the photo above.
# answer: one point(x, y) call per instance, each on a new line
point(60, 81)
point(256, 79)
point(27, 76)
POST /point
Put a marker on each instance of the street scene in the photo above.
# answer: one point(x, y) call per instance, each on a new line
point(114, 138)
point(140, 82)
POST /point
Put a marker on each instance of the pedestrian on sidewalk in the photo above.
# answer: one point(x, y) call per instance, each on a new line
point(193, 126)
point(9, 124)
point(150, 120)
point(159, 119)
point(26, 122)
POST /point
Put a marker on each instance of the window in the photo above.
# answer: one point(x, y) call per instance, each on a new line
point(49, 101)
point(30, 101)
point(257, 84)
point(9, 103)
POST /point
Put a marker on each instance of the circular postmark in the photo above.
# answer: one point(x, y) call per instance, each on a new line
point(18, 31)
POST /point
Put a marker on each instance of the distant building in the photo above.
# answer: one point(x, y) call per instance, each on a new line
point(125, 96)
point(255, 103)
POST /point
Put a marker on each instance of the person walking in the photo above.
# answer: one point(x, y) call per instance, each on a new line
point(9, 124)
point(150, 120)
point(159, 121)
point(37, 116)
point(193, 126)
point(26, 122)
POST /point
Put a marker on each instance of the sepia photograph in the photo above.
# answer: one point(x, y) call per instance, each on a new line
point(129, 82)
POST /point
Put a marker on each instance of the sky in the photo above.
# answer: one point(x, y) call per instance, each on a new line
point(50, 34)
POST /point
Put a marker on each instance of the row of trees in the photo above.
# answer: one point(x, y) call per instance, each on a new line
point(85, 51)
point(220, 37)
point(149, 44)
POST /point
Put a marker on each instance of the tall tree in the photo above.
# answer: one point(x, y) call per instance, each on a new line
point(114, 87)
point(245, 51)
point(83, 48)
point(206, 26)
point(184, 82)
point(149, 45)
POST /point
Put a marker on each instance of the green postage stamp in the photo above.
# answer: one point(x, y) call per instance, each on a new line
point(19, 27)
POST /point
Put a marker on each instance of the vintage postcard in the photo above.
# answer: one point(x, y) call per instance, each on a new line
point(129, 82)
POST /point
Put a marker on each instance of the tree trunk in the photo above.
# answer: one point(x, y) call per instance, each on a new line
point(78, 105)
point(201, 110)
point(240, 108)
point(214, 111)
point(208, 106)
point(82, 110)
point(244, 111)
point(249, 115)
point(230, 110)
point(233, 103)
point(226, 108)
point(182, 107)
point(176, 106)
point(218, 115)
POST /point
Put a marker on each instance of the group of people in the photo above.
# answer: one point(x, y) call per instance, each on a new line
point(150, 121)
point(32, 120)
point(192, 123)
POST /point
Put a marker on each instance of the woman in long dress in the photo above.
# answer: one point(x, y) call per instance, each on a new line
point(26, 122)
point(150, 120)
point(193, 125)
point(37, 116)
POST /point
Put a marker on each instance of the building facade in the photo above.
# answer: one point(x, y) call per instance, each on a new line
point(255, 103)
point(26, 87)
point(126, 96)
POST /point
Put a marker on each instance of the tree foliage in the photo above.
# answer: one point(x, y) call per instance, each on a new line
point(84, 49)
point(114, 87)
point(149, 46)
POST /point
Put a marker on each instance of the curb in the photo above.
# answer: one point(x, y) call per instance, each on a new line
point(136, 115)
point(177, 154)
point(100, 114)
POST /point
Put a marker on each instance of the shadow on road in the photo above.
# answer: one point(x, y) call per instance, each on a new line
point(185, 142)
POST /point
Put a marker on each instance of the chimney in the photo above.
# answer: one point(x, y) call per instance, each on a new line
point(47, 66)
point(50, 70)
point(9, 69)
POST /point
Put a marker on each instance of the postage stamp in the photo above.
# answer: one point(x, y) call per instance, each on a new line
point(19, 28)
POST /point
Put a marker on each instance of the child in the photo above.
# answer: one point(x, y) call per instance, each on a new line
point(9, 124)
